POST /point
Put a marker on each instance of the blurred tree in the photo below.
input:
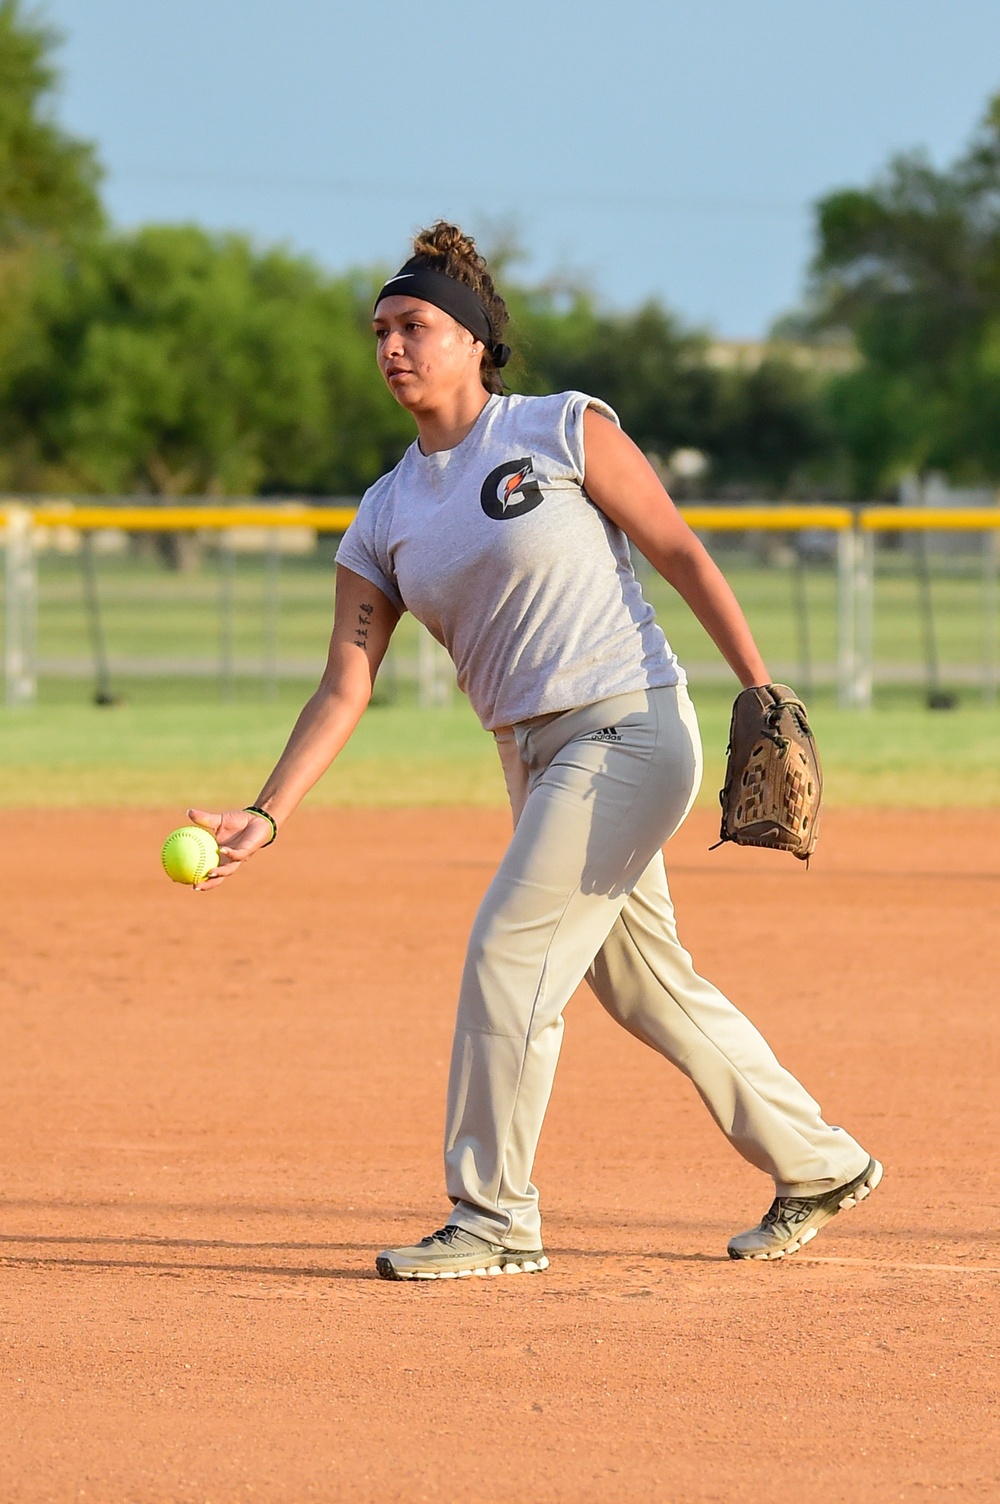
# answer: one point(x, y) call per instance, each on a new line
point(761, 425)
point(48, 189)
point(769, 427)
point(167, 360)
point(48, 180)
point(173, 361)
point(652, 372)
point(177, 362)
point(911, 266)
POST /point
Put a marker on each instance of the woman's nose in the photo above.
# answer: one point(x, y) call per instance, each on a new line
point(392, 345)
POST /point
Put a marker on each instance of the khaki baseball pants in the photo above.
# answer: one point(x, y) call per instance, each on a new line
point(582, 892)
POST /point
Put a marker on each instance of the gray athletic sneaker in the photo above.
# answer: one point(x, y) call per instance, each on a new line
point(793, 1221)
point(453, 1253)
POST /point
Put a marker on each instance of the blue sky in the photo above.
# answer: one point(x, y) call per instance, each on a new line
point(670, 149)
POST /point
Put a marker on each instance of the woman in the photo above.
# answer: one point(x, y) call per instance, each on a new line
point(505, 530)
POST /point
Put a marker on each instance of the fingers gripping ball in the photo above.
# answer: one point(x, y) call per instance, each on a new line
point(189, 854)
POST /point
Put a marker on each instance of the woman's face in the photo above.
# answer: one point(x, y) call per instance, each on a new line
point(424, 355)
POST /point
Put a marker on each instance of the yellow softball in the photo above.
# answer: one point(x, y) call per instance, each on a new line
point(188, 854)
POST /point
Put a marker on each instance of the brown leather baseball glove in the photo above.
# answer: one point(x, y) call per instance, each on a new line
point(773, 784)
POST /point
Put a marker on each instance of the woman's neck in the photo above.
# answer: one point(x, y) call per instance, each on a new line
point(445, 426)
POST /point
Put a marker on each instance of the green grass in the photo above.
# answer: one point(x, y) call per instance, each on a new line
point(174, 739)
point(768, 596)
point(153, 613)
point(169, 751)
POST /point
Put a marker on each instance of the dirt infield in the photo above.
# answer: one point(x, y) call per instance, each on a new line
point(217, 1107)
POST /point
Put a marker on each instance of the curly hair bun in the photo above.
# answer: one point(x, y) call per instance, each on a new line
point(446, 248)
point(450, 250)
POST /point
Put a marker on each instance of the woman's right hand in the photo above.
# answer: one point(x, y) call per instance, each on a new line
point(238, 833)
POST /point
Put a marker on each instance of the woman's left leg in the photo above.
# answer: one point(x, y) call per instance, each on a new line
point(646, 980)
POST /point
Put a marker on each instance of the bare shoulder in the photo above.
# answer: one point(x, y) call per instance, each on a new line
point(611, 455)
point(620, 481)
point(597, 422)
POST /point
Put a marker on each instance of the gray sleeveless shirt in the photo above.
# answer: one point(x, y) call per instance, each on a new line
point(495, 547)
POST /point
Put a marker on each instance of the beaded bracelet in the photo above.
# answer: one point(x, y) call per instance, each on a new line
point(251, 809)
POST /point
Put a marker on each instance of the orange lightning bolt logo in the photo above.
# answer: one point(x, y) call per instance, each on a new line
point(513, 485)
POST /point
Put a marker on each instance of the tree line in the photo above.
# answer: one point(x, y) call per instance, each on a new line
point(168, 360)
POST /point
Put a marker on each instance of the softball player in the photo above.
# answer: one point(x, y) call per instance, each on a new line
point(505, 529)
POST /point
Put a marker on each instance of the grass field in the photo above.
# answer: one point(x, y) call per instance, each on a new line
point(169, 751)
point(181, 623)
point(182, 733)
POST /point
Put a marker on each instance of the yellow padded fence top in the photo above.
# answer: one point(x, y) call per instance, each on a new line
point(174, 519)
point(163, 519)
point(948, 519)
point(780, 517)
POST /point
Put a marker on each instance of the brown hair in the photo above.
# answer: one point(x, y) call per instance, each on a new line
point(446, 248)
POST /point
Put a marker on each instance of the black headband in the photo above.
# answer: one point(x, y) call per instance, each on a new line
point(452, 297)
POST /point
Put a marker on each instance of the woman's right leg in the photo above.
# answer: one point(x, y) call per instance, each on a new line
point(605, 786)
point(645, 979)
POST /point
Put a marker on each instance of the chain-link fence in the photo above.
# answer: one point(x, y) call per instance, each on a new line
point(236, 600)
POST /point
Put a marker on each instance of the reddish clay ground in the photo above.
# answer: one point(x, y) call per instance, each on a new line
point(217, 1107)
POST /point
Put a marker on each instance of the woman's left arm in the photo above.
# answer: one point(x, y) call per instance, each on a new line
point(620, 480)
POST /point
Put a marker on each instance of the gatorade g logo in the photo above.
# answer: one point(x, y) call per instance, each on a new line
point(511, 490)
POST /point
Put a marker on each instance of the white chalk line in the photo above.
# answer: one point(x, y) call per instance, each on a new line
point(812, 1258)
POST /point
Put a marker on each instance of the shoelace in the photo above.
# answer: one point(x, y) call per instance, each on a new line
point(443, 1235)
point(792, 1209)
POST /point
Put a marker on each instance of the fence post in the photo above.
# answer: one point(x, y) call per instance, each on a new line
point(227, 569)
point(855, 608)
point(272, 601)
point(800, 593)
point(20, 672)
point(433, 672)
point(864, 601)
point(103, 693)
point(991, 600)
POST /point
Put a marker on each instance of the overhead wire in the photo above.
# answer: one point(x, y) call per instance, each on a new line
point(666, 204)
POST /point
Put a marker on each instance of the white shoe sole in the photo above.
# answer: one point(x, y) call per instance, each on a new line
point(387, 1270)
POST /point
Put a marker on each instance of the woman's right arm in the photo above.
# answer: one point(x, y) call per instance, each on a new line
point(363, 623)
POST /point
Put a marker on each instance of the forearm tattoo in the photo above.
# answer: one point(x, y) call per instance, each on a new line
point(365, 613)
